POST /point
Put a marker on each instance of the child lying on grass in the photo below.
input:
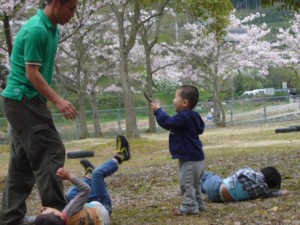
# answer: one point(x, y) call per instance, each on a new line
point(245, 184)
point(89, 200)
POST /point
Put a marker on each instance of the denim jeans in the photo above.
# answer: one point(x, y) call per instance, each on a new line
point(210, 185)
point(99, 191)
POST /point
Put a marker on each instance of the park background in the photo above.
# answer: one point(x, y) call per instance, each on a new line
point(113, 52)
point(104, 65)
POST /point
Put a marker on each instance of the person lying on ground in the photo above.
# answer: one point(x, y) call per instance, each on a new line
point(89, 202)
point(244, 184)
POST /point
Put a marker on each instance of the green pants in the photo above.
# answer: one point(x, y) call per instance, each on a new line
point(36, 153)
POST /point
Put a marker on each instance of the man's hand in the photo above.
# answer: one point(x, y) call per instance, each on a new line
point(66, 108)
point(38, 81)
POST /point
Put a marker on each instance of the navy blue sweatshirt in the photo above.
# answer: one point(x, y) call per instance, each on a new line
point(185, 127)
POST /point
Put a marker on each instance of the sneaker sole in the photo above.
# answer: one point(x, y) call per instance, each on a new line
point(123, 143)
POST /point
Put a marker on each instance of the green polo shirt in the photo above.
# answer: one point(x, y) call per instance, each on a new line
point(36, 43)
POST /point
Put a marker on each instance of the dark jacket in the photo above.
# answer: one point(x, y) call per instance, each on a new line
point(185, 128)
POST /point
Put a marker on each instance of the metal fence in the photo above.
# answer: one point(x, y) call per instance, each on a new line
point(237, 112)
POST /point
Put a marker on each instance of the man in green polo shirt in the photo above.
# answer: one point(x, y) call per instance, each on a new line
point(37, 150)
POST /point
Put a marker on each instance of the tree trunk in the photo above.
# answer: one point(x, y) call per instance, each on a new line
point(9, 45)
point(219, 114)
point(126, 44)
point(223, 118)
point(150, 38)
point(82, 117)
point(7, 33)
point(152, 123)
point(131, 124)
point(96, 117)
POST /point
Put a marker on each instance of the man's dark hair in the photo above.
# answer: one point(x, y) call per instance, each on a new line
point(272, 177)
point(61, 1)
point(48, 219)
point(190, 93)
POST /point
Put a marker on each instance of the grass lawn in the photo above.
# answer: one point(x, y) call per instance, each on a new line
point(146, 188)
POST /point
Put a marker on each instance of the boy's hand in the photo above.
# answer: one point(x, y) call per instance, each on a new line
point(63, 174)
point(154, 106)
point(284, 192)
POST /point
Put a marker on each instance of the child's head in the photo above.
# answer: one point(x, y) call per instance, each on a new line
point(48, 219)
point(49, 216)
point(272, 177)
point(186, 97)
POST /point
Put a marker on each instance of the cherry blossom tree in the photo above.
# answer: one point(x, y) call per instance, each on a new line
point(127, 14)
point(214, 13)
point(81, 26)
point(86, 54)
point(210, 61)
point(150, 32)
point(289, 40)
point(10, 11)
point(129, 21)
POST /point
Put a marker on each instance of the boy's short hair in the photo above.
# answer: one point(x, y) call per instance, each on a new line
point(190, 93)
point(272, 177)
point(48, 219)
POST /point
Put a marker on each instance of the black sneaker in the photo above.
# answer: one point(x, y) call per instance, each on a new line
point(123, 150)
point(87, 165)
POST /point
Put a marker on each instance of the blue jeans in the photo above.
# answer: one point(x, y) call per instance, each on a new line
point(210, 185)
point(99, 191)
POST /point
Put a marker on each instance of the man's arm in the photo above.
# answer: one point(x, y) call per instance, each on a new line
point(35, 77)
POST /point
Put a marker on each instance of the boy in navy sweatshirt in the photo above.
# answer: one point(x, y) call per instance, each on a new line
point(185, 145)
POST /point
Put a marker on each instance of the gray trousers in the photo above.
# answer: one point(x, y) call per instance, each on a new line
point(35, 155)
point(190, 186)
